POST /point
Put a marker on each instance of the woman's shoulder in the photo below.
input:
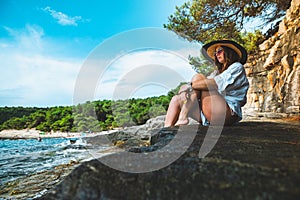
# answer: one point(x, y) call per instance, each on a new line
point(236, 66)
point(213, 74)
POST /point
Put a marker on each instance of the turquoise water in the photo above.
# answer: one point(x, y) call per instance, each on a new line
point(19, 158)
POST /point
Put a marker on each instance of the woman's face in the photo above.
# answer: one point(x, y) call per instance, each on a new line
point(219, 53)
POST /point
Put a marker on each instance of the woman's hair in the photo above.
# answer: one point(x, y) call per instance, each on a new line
point(230, 57)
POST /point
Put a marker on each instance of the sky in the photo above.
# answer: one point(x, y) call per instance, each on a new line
point(46, 45)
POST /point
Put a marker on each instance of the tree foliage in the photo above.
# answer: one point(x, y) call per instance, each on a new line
point(9, 112)
point(201, 65)
point(207, 20)
point(87, 117)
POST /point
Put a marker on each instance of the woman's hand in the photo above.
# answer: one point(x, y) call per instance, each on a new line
point(185, 92)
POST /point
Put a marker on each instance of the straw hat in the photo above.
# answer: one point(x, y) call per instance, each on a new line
point(208, 50)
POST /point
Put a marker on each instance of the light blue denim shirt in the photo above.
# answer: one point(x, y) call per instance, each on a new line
point(233, 86)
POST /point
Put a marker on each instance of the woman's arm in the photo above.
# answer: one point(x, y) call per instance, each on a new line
point(200, 82)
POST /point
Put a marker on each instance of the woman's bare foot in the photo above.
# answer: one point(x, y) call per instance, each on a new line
point(182, 122)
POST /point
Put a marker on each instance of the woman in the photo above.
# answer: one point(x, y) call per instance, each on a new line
point(217, 99)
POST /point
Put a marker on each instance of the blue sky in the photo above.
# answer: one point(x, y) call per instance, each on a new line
point(44, 45)
point(81, 25)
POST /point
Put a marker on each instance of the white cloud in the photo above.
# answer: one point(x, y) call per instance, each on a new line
point(62, 18)
point(28, 38)
point(30, 75)
point(37, 80)
point(134, 74)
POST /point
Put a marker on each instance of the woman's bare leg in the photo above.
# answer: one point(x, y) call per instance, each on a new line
point(215, 108)
point(181, 108)
point(189, 107)
point(212, 104)
point(173, 112)
point(193, 107)
point(177, 108)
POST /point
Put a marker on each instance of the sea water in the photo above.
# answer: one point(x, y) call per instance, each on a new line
point(19, 158)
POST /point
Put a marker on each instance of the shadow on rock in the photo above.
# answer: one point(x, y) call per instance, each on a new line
point(251, 160)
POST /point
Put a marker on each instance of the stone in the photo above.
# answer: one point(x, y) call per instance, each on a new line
point(37, 184)
point(134, 136)
point(155, 123)
point(277, 67)
point(293, 109)
point(251, 160)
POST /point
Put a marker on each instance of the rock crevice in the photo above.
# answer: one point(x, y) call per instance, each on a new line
point(274, 72)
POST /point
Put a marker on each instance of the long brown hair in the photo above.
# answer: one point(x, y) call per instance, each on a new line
point(230, 57)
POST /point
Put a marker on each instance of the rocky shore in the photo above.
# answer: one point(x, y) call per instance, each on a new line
point(255, 159)
point(251, 160)
point(258, 158)
point(35, 185)
point(33, 134)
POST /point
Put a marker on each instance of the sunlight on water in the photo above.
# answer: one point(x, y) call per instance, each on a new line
point(19, 158)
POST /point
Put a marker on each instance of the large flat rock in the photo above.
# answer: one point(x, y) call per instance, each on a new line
point(251, 160)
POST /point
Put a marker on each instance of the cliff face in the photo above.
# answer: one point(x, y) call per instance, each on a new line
point(274, 72)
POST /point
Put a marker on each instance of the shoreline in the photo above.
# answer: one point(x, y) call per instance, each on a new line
point(36, 184)
point(13, 134)
point(33, 185)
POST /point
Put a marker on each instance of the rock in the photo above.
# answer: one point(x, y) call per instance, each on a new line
point(274, 72)
point(35, 185)
point(293, 109)
point(155, 123)
point(136, 136)
point(251, 160)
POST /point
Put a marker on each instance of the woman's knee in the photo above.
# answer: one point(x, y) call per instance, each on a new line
point(175, 100)
point(198, 77)
point(183, 88)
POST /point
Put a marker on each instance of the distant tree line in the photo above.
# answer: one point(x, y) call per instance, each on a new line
point(7, 113)
point(90, 116)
